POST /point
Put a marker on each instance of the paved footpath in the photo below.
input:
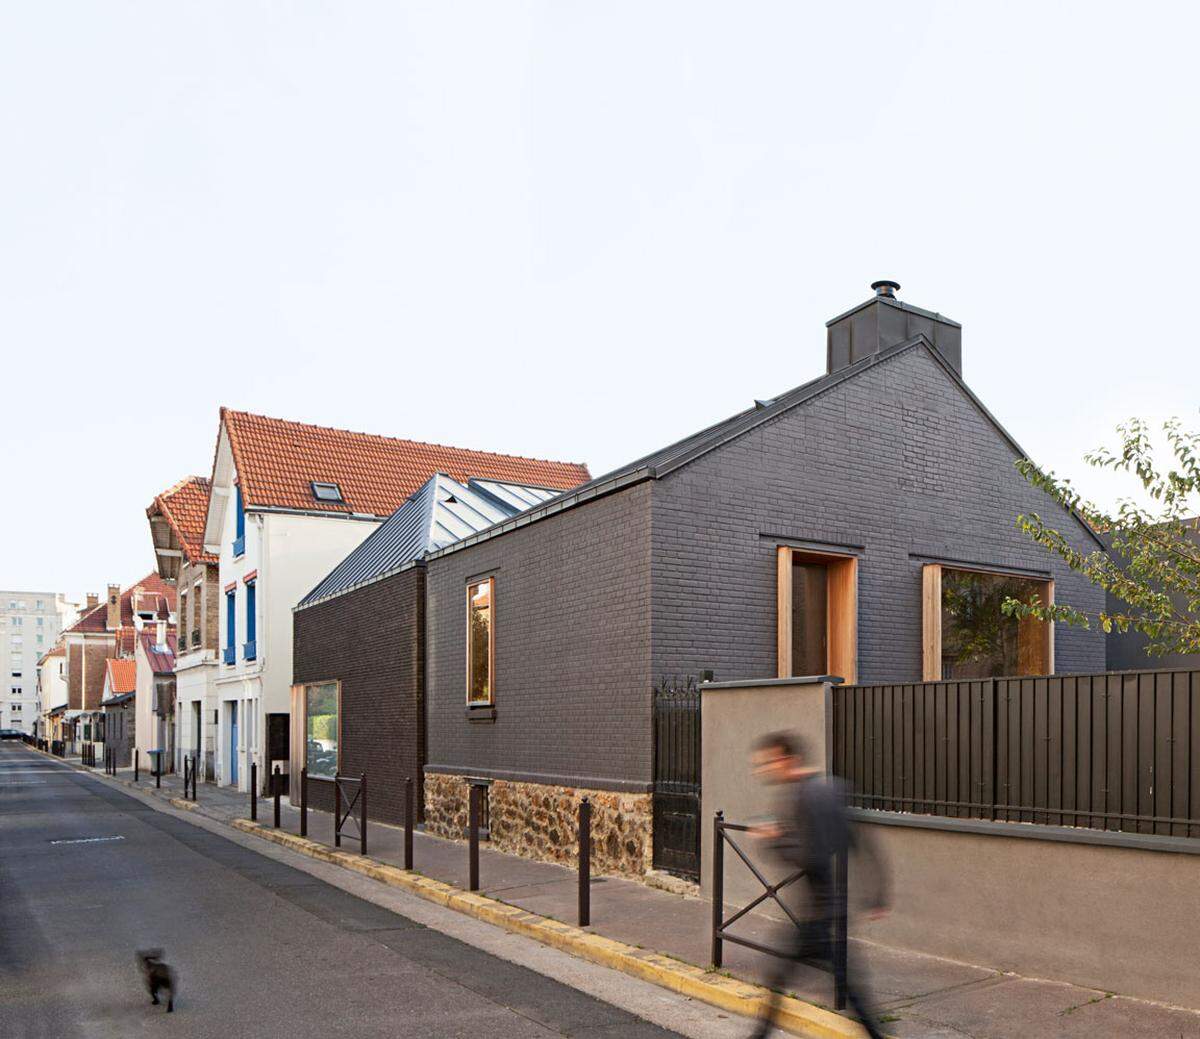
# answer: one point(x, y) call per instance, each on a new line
point(90, 872)
point(916, 995)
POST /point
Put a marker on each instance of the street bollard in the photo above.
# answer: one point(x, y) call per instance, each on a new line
point(585, 862)
point(195, 766)
point(186, 763)
point(304, 802)
point(158, 772)
point(254, 791)
point(337, 811)
point(473, 799)
point(408, 823)
point(135, 766)
point(362, 820)
point(276, 784)
point(718, 888)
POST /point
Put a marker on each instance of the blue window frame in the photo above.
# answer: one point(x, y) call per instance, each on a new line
point(239, 542)
point(250, 649)
point(230, 626)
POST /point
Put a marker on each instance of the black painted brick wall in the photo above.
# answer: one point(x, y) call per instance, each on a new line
point(372, 640)
point(572, 646)
point(897, 460)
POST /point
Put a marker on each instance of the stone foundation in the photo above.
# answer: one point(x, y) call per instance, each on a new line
point(541, 822)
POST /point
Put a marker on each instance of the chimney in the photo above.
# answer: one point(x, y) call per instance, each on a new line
point(884, 321)
point(93, 600)
point(160, 633)
point(114, 607)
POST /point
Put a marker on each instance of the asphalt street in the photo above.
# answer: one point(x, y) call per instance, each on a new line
point(89, 874)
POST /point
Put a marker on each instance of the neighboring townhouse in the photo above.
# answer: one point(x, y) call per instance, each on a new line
point(288, 502)
point(106, 629)
point(861, 525)
point(52, 689)
point(117, 700)
point(154, 703)
point(29, 627)
point(358, 704)
point(177, 518)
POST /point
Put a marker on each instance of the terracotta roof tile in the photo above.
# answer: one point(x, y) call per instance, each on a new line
point(162, 659)
point(185, 508)
point(122, 675)
point(278, 460)
point(152, 593)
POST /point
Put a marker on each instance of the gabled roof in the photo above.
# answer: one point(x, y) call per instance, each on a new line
point(121, 675)
point(115, 701)
point(277, 462)
point(185, 507)
point(666, 460)
point(438, 514)
point(162, 658)
point(153, 595)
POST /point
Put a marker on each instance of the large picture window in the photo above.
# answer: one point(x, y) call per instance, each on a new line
point(817, 614)
point(321, 729)
point(967, 634)
point(480, 641)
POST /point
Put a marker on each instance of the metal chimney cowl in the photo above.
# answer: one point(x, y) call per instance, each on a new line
point(884, 321)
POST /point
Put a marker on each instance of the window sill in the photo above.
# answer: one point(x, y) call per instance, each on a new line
point(481, 713)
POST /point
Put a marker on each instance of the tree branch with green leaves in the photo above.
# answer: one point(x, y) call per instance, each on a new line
point(1152, 566)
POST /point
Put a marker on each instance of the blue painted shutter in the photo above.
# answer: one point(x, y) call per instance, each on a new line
point(251, 625)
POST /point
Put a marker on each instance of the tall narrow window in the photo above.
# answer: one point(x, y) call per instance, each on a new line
point(251, 648)
point(817, 609)
point(239, 539)
point(480, 641)
point(967, 635)
point(322, 729)
point(230, 627)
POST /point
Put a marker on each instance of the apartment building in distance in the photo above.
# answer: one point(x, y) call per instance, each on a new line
point(30, 623)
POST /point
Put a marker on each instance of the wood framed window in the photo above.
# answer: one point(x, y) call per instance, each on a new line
point(965, 633)
point(817, 613)
point(481, 642)
point(315, 741)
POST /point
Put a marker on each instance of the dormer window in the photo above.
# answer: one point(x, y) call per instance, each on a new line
point(326, 491)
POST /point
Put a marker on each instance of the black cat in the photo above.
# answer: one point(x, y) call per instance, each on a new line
point(158, 975)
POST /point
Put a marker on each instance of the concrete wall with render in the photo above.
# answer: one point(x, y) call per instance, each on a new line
point(1116, 912)
point(897, 462)
point(733, 718)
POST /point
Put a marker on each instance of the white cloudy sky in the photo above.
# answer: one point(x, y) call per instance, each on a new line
point(562, 229)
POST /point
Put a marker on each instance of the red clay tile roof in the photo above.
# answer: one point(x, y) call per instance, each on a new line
point(162, 663)
point(153, 593)
point(278, 460)
point(185, 508)
point(122, 675)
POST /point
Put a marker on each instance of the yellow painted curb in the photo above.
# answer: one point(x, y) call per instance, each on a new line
point(738, 997)
point(179, 802)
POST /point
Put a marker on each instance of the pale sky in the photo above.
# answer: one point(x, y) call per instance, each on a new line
point(567, 230)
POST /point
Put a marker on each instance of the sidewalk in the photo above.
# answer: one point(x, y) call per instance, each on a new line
point(916, 995)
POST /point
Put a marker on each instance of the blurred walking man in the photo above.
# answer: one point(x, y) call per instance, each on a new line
point(811, 830)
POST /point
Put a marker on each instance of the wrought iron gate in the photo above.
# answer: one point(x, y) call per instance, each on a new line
point(677, 777)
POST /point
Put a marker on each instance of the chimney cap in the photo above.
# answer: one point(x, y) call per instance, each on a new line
point(886, 288)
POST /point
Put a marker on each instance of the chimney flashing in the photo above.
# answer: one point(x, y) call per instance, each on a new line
point(882, 322)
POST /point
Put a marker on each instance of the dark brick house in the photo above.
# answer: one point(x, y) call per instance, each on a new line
point(858, 525)
point(359, 645)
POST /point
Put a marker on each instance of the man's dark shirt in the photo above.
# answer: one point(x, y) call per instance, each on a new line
point(815, 828)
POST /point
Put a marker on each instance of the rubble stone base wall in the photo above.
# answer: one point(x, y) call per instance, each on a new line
point(541, 822)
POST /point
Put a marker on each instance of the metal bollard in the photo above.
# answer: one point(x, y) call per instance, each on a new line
point(135, 765)
point(337, 811)
point(362, 819)
point(304, 802)
point(158, 773)
point(254, 791)
point(408, 823)
point(276, 784)
point(185, 778)
point(718, 888)
point(585, 862)
point(473, 799)
point(195, 767)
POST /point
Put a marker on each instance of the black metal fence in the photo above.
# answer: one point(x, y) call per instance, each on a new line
point(676, 799)
point(1113, 751)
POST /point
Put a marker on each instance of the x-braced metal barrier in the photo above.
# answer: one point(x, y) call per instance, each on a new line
point(835, 964)
point(349, 797)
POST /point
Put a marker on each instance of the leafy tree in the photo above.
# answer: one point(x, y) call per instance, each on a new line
point(1153, 565)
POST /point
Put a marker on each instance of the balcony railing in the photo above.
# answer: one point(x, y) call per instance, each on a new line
point(250, 650)
point(229, 654)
